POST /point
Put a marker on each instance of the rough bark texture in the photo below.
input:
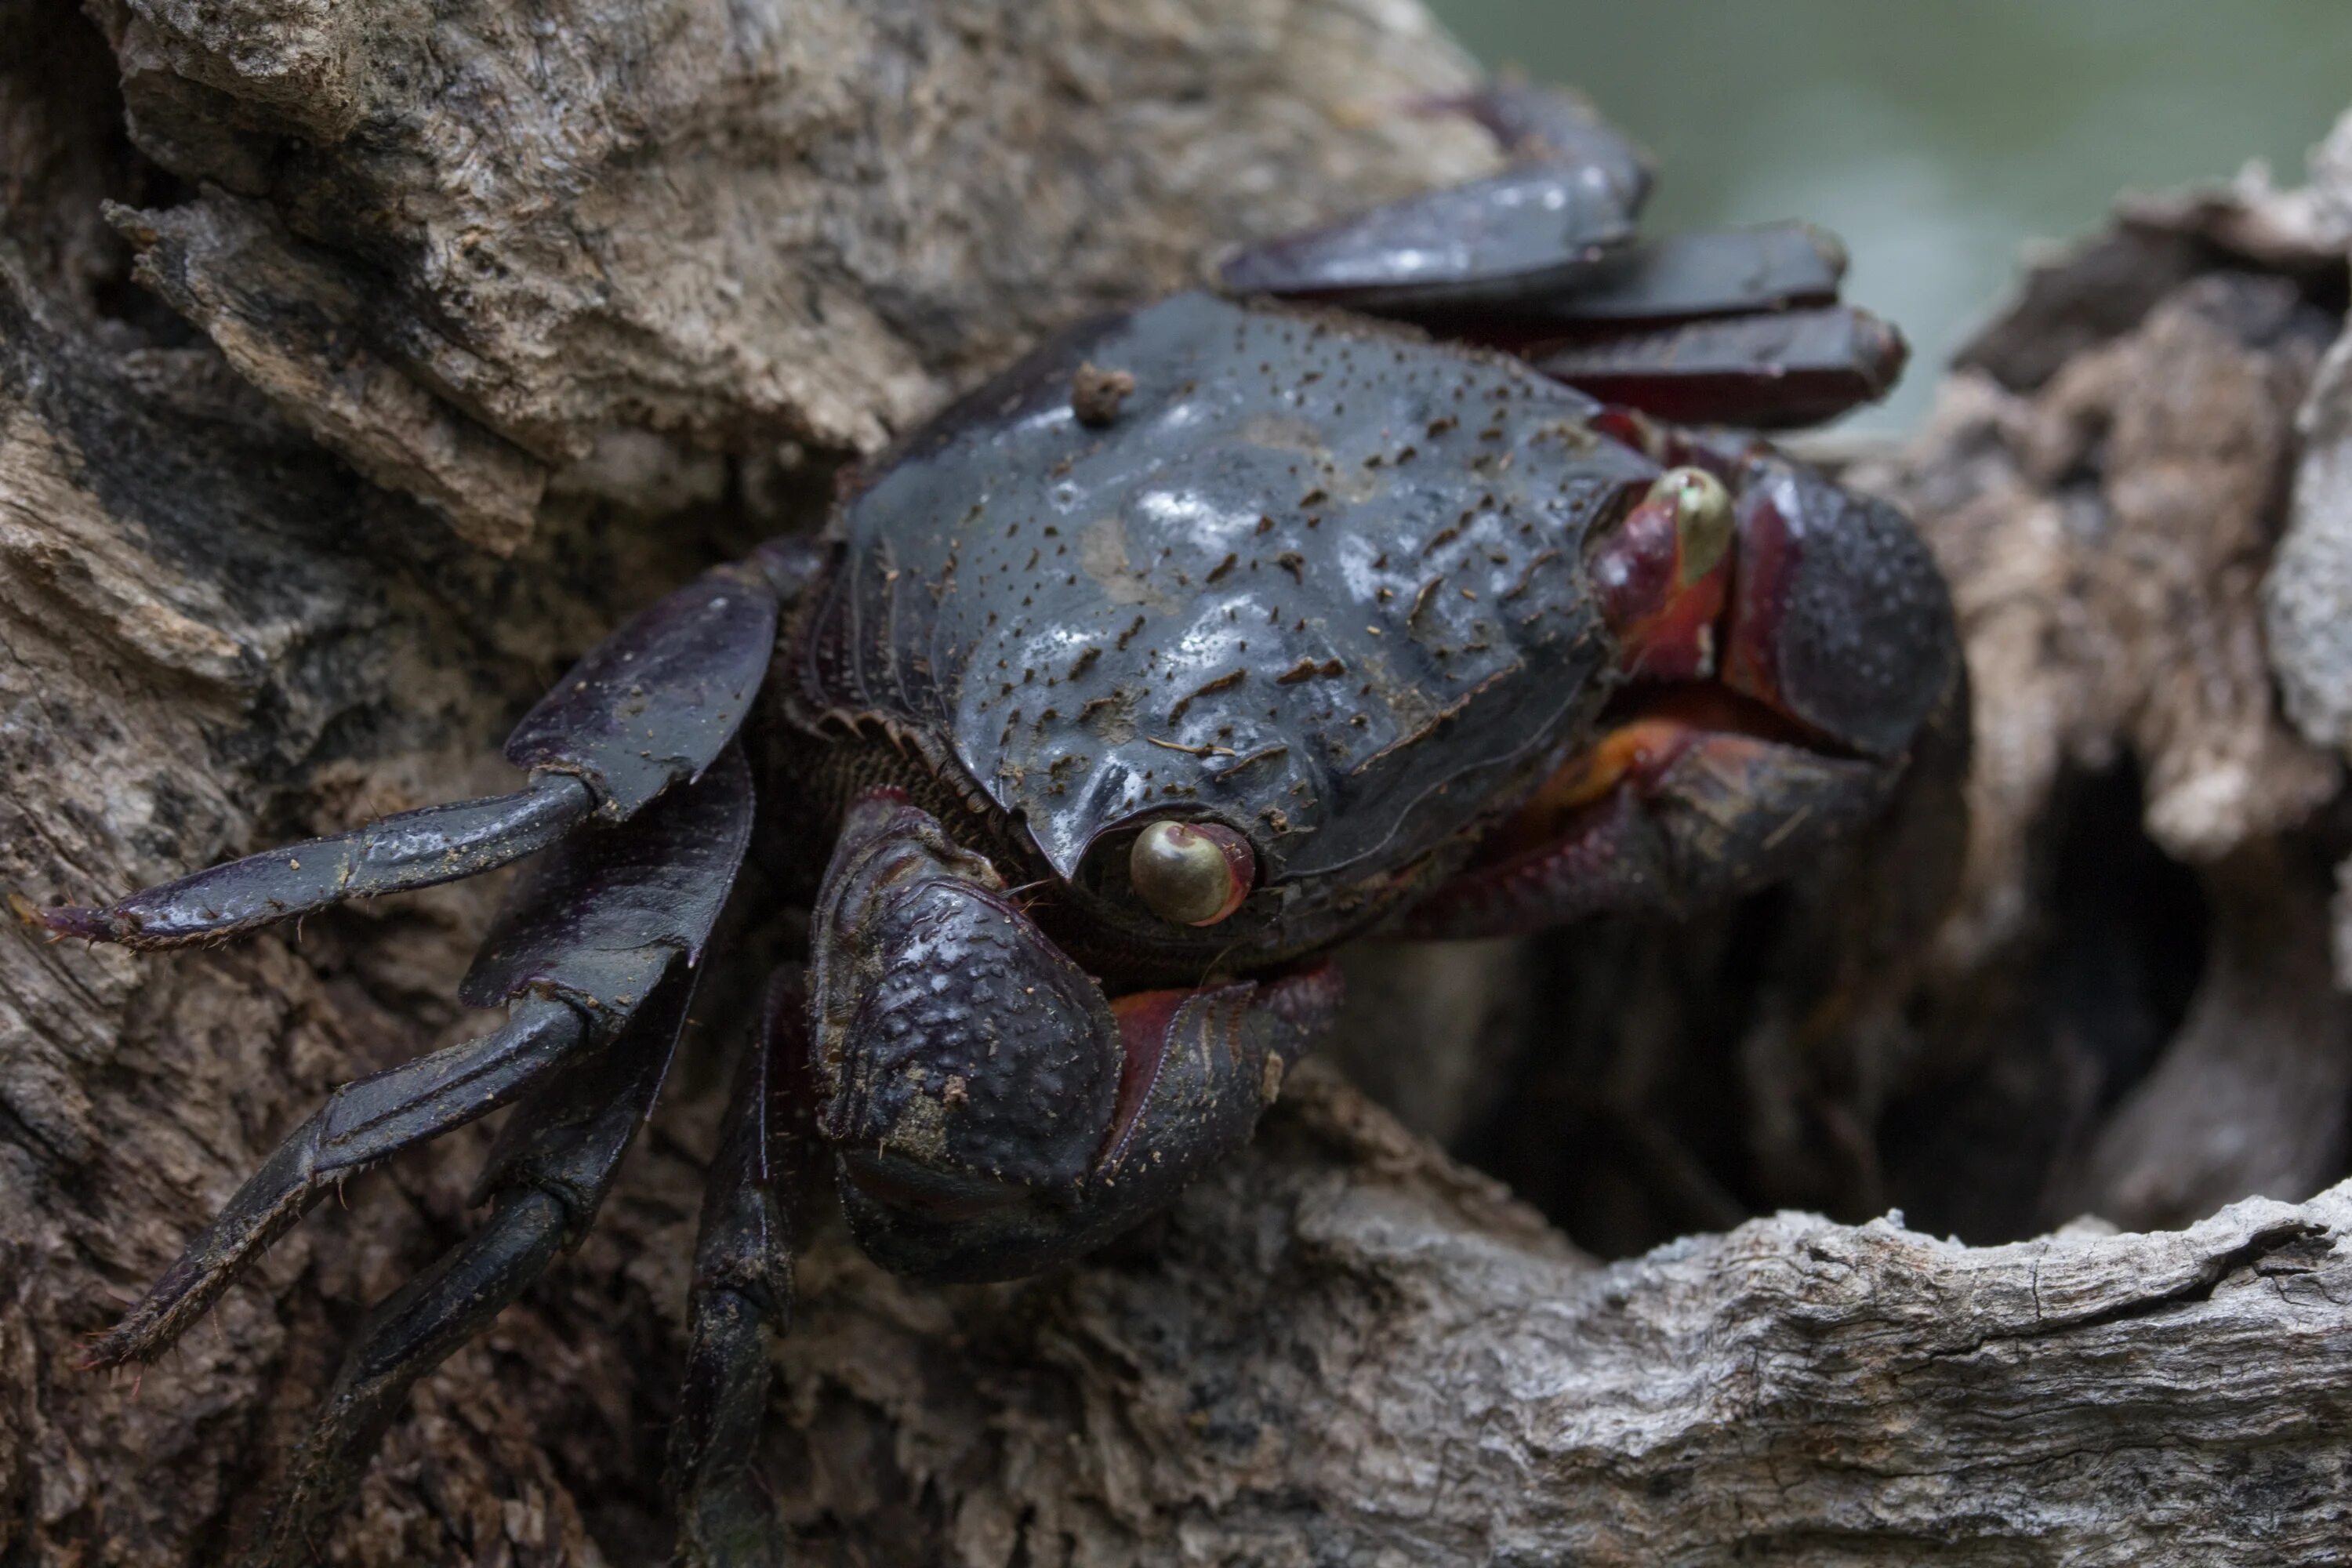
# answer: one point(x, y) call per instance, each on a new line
point(457, 331)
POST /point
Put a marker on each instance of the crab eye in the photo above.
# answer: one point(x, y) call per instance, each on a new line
point(1702, 519)
point(1191, 873)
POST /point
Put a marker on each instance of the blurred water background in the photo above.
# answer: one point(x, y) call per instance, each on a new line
point(1937, 137)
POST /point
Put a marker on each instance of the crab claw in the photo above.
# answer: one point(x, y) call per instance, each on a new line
point(994, 1111)
point(1789, 649)
point(1839, 621)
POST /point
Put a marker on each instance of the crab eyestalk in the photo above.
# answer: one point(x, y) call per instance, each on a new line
point(1191, 873)
point(1663, 574)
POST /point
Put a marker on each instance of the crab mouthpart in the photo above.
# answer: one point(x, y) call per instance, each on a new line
point(1649, 729)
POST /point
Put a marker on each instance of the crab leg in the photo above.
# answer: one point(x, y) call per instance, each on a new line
point(752, 1217)
point(1548, 124)
point(1688, 277)
point(362, 1122)
point(1651, 285)
point(546, 1178)
point(652, 705)
point(1567, 201)
point(391, 855)
point(1817, 667)
point(577, 949)
point(1737, 326)
point(1767, 371)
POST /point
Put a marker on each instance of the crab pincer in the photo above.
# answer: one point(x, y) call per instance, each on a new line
point(1787, 646)
point(993, 1108)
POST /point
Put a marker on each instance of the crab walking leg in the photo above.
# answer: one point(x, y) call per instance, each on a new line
point(545, 1179)
point(361, 1123)
point(1568, 201)
point(1726, 813)
point(1773, 370)
point(994, 1113)
point(1682, 278)
point(1737, 325)
point(1729, 326)
point(577, 949)
point(1533, 123)
point(1729, 273)
point(753, 1216)
point(652, 705)
point(1779, 697)
point(393, 854)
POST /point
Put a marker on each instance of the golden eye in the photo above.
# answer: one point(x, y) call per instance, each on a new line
point(1191, 873)
point(1702, 519)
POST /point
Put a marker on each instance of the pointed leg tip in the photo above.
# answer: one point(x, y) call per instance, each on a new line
point(108, 1349)
point(141, 1336)
point(90, 925)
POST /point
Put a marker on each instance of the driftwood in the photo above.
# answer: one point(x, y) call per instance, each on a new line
point(359, 365)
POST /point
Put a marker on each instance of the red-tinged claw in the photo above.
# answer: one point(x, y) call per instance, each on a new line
point(1783, 654)
point(1220, 1036)
point(1822, 606)
point(1839, 619)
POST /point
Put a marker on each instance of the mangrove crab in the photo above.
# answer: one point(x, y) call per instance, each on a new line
point(1370, 591)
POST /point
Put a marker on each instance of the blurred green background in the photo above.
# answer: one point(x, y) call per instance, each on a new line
point(1937, 137)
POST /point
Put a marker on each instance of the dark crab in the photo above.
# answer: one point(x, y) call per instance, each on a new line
point(1220, 631)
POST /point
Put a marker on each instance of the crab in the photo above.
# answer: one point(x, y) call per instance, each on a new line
point(1407, 582)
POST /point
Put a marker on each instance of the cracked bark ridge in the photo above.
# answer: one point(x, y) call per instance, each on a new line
point(2110, 523)
point(1794, 1389)
point(467, 249)
point(2309, 591)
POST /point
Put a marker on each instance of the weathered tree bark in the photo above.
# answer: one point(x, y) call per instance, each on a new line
point(457, 331)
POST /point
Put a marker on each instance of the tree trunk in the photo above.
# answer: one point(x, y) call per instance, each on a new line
point(359, 365)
